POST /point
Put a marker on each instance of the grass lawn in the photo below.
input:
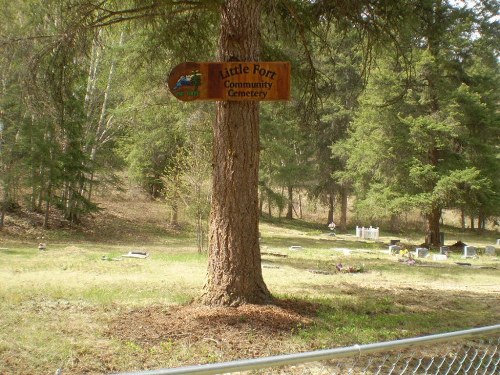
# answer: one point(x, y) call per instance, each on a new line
point(80, 307)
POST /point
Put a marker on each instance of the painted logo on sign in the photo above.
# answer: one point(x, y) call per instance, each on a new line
point(192, 81)
point(185, 81)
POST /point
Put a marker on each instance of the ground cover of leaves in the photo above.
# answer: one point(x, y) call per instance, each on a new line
point(233, 333)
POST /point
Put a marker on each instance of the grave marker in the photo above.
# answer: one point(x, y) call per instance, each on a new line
point(469, 251)
point(422, 252)
point(444, 250)
point(490, 250)
point(439, 257)
point(394, 249)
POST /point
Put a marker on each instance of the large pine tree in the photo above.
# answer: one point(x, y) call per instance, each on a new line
point(234, 269)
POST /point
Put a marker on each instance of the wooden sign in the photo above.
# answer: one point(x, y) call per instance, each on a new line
point(231, 81)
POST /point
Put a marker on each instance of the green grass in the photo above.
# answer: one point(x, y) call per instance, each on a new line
point(56, 306)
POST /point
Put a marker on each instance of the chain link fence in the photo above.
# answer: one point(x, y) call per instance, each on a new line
point(474, 351)
point(480, 356)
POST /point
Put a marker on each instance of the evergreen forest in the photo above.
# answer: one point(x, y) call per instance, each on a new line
point(394, 108)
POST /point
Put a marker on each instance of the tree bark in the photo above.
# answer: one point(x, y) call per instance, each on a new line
point(289, 212)
point(234, 272)
point(47, 207)
point(300, 207)
point(174, 214)
point(462, 218)
point(344, 192)
point(331, 208)
point(433, 217)
point(261, 205)
point(394, 223)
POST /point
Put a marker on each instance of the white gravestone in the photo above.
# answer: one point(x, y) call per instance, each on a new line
point(439, 257)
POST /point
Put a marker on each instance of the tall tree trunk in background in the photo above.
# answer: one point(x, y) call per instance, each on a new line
point(2, 214)
point(344, 195)
point(174, 214)
point(394, 223)
point(331, 208)
point(300, 207)
point(261, 205)
point(289, 212)
point(432, 227)
point(481, 221)
point(234, 272)
point(281, 206)
point(92, 76)
point(89, 99)
point(47, 194)
point(47, 206)
point(100, 132)
point(434, 17)
point(4, 199)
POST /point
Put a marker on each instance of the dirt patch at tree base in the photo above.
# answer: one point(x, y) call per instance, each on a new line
point(230, 332)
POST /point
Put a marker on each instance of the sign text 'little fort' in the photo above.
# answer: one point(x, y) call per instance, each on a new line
point(231, 81)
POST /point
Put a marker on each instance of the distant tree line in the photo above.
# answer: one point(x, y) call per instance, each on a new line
point(405, 121)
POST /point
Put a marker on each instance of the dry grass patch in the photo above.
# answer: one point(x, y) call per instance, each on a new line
point(159, 336)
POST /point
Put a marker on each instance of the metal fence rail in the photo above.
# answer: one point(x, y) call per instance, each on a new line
point(477, 353)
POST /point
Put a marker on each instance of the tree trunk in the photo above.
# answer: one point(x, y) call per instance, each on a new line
point(289, 212)
point(300, 207)
point(2, 215)
point(234, 272)
point(47, 206)
point(394, 223)
point(3, 205)
point(433, 217)
point(462, 218)
point(281, 205)
point(261, 205)
point(100, 131)
point(344, 194)
point(330, 208)
point(174, 214)
point(481, 221)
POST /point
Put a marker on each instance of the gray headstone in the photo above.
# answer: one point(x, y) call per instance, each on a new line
point(444, 250)
point(490, 250)
point(422, 252)
point(394, 249)
point(469, 251)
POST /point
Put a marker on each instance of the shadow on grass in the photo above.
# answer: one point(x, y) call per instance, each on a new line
point(325, 242)
point(21, 252)
point(295, 224)
point(366, 315)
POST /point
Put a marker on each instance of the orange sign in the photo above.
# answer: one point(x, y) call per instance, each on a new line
point(231, 81)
